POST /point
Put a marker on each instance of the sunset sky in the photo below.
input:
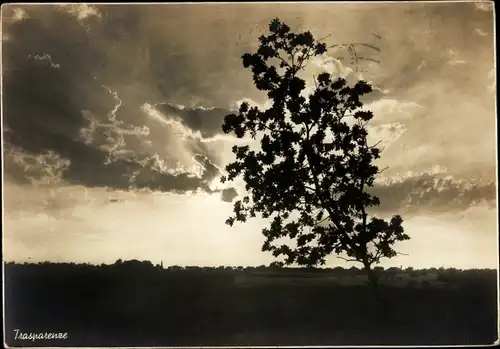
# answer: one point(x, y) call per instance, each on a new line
point(112, 120)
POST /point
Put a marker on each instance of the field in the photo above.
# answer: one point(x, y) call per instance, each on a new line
point(138, 304)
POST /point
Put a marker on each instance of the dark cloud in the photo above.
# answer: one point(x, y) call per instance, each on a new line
point(207, 121)
point(74, 87)
point(432, 193)
point(141, 173)
point(64, 72)
point(375, 95)
point(24, 168)
point(228, 195)
point(42, 103)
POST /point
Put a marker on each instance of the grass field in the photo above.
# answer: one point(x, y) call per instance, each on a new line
point(148, 306)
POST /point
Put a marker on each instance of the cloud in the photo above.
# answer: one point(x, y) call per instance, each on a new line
point(385, 134)
point(56, 201)
point(18, 14)
point(332, 66)
point(480, 32)
point(457, 62)
point(63, 97)
point(136, 166)
point(47, 79)
point(105, 156)
point(111, 153)
point(422, 65)
point(200, 124)
point(228, 195)
point(198, 130)
point(453, 57)
point(76, 79)
point(388, 110)
point(110, 135)
point(81, 11)
point(12, 14)
point(432, 192)
point(44, 169)
point(82, 152)
point(208, 121)
point(44, 57)
point(48, 170)
point(339, 67)
point(36, 183)
point(484, 6)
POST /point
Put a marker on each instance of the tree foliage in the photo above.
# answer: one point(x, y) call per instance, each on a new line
point(310, 175)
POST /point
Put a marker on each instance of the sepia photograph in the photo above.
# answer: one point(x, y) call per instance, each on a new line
point(249, 174)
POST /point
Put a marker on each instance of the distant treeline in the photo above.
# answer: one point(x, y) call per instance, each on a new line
point(144, 265)
point(133, 303)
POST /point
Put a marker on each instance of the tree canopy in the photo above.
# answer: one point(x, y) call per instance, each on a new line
point(310, 174)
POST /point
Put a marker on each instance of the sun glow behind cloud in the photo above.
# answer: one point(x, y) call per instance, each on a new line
point(104, 225)
point(178, 229)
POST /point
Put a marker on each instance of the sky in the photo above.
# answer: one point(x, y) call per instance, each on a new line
point(112, 114)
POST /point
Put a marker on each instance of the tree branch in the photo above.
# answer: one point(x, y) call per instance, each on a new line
point(373, 146)
point(363, 210)
point(323, 38)
point(321, 221)
point(309, 188)
point(348, 260)
point(285, 62)
point(323, 200)
point(377, 257)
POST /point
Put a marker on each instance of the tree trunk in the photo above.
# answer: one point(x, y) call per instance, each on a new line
point(378, 301)
point(372, 278)
point(373, 281)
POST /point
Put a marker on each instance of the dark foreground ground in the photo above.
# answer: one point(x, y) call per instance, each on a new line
point(140, 305)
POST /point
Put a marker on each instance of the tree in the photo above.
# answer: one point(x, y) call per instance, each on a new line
point(310, 175)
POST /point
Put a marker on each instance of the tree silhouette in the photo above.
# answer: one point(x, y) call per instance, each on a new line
point(310, 175)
